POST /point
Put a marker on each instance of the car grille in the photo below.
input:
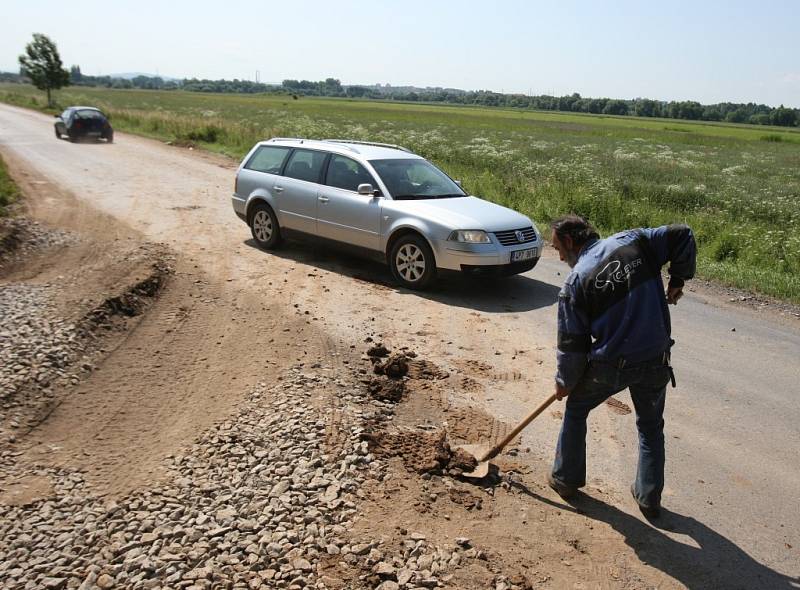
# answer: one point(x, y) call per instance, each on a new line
point(509, 237)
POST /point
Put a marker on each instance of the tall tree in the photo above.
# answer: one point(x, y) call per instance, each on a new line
point(42, 64)
point(75, 75)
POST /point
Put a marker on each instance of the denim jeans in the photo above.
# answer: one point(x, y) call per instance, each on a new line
point(647, 382)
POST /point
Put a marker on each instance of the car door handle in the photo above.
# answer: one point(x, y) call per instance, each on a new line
point(323, 199)
point(278, 189)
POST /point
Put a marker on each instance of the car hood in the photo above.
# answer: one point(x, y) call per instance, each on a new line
point(463, 213)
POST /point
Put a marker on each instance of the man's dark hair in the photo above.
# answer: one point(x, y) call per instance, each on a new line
point(576, 227)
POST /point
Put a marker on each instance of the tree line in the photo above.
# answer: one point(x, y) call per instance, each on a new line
point(42, 66)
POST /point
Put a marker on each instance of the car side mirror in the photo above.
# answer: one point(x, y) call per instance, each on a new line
point(366, 189)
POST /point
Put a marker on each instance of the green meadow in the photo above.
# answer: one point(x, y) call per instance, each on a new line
point(737, 186)
point(8, 190)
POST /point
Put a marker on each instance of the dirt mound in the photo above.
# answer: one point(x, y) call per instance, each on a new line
point(45, 353)
point(421, 452)
point(386, 389)
point(133, 300)
point(395, 366)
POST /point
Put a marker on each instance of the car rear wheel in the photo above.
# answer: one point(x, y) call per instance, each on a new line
point(264, 227)
point(58, 135)
point(412, 263)
point(110, 137)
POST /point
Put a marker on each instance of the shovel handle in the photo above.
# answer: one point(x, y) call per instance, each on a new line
point(495, 450)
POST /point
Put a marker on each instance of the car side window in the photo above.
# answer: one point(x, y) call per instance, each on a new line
point(346, 173)
point(267, 159)
point(305, 165)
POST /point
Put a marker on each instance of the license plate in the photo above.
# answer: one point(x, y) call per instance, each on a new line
point(520, 255)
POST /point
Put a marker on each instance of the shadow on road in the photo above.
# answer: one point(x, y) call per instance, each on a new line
point(519, 293)
point(708, 560)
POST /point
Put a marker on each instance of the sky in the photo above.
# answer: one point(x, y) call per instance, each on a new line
point(709, 51)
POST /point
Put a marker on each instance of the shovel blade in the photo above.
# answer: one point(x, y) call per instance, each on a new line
point(478, 451)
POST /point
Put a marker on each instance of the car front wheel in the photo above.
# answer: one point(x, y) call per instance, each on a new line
point(412, 263)
point(264, 227)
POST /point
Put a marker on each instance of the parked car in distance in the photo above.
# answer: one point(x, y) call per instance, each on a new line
point(383, 201)
point(83, 123)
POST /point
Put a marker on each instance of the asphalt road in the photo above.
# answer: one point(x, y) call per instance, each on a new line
point(733, 422)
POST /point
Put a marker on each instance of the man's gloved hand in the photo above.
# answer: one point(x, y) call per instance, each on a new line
point(561, 391)
point(673, 294)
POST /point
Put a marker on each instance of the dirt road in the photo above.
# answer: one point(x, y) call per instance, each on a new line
point(733, 473)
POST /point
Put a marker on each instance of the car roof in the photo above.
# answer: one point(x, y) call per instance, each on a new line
point(84, 109)
point(347, 147)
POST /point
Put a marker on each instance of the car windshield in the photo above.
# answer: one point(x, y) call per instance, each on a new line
point(408, 178)
point(89, 114)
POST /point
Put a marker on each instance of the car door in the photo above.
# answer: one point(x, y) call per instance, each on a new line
point(344, 215)
point(298, 189)
point(259, 173)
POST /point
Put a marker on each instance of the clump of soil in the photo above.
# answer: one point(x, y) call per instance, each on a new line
point(421, 452)
point(462, 460)
point(387, 390)
point(377, 351)
point(394, 367)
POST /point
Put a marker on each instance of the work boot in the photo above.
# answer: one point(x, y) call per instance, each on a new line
point(562, 489)
point(647, 511)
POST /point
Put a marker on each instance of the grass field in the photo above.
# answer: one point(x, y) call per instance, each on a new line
point(738, 186)
point(8, 190)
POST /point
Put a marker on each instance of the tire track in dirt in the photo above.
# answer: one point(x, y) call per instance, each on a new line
point(181, 366)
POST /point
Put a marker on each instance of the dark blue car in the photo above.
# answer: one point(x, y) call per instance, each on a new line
point(83, 123)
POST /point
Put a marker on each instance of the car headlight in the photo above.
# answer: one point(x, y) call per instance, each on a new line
point(470, 236)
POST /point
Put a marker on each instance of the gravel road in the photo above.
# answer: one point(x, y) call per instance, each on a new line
point(732, 422)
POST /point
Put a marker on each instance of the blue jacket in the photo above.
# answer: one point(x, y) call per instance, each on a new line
point(612, 305)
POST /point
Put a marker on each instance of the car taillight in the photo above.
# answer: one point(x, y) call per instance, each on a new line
point(77, 125)
point(236, 184)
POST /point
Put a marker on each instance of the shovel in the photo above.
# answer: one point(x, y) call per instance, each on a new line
point(483, 454)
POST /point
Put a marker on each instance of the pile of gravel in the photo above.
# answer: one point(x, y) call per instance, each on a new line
point(38, 352)
point(265, 500)
point(20, 236)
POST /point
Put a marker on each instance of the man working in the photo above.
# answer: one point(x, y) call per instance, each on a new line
point(613, 333)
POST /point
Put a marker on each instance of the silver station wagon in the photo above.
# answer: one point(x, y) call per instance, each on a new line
point(383, 201)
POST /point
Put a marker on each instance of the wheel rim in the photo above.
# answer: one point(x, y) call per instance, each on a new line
point(262, 226)
point(410, 262)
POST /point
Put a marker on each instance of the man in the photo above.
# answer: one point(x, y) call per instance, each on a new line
point(614, 333)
